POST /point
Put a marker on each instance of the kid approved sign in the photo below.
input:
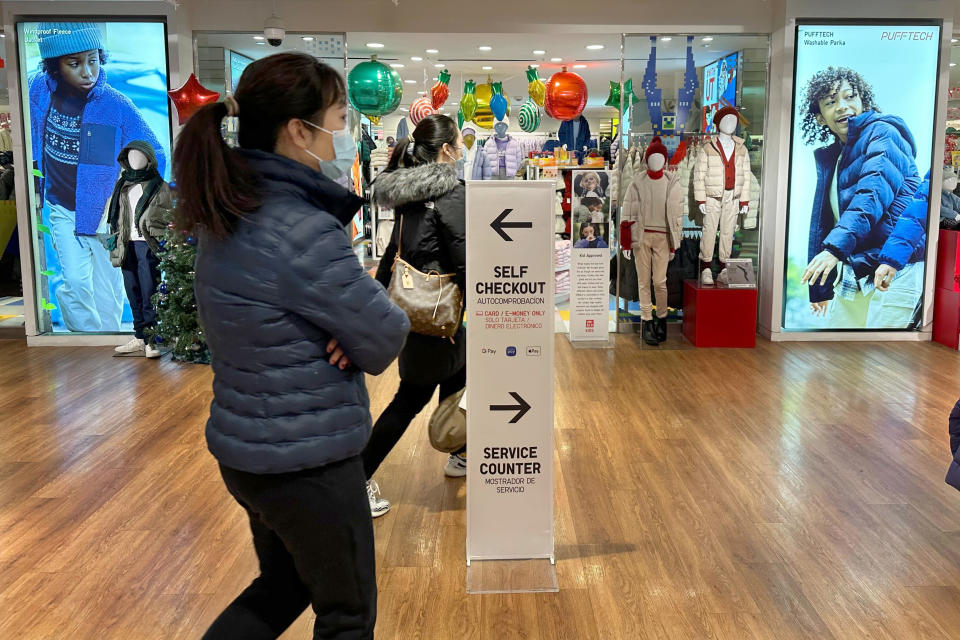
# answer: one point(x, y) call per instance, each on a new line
point(510, 333)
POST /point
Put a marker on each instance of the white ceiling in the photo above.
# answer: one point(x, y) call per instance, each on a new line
point(509, 57)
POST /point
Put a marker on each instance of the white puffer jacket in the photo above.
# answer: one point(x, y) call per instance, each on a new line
point(708, 176)
point(639, 198)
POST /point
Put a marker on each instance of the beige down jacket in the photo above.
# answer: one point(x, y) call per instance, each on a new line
point(708, 175)
point(639, 197)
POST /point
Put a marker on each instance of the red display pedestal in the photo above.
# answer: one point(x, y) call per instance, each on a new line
point(719, 316)
point(946, 308)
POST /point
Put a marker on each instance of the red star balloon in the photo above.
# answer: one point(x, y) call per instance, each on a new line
point(190, 97)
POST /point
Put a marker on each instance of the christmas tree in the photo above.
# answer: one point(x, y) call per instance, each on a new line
point(178, 323)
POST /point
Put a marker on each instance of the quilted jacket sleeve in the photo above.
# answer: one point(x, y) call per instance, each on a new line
point(630, 211)
point(453, 231)
point(325, 284)
point(880, 178)
point(700, 177)
point(910, 232)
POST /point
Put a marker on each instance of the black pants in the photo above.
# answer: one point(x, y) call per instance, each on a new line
point(314, 538)
point(410, 400)
point(141, 275)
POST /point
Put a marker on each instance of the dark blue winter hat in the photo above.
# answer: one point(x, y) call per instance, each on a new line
point(57, 39)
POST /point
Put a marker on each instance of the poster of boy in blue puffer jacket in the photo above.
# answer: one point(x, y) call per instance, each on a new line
point(79, 123)
point(866, 170)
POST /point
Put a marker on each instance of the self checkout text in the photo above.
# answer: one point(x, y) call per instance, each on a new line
point(509, 280)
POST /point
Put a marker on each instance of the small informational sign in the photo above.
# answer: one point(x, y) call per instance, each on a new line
point(590, 257)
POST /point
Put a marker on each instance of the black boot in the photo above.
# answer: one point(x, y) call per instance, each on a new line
point(650, 333)
point(662, 329)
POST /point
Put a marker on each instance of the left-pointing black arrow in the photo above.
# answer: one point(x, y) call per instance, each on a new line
point(499, 225)
point(522, 408)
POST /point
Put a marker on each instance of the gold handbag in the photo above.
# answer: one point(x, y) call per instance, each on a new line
point(432, 300)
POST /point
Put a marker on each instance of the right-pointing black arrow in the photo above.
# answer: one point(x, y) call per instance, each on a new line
point(499, 225)
point(520, 408)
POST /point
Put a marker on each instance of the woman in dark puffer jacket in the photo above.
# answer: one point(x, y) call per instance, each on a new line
point(421, 184)
point(293, 323)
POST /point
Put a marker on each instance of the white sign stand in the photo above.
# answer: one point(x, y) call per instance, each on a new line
point(590, 265)
point(510, 406)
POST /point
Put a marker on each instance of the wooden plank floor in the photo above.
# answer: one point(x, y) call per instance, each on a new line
point(792, 491)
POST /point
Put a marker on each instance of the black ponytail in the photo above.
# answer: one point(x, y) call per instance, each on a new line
point(425, 143)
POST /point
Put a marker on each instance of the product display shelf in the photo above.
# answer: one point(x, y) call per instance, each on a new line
point(946, 308)
point(719, 316)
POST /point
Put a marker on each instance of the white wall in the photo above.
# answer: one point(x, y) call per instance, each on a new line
point(777, 149)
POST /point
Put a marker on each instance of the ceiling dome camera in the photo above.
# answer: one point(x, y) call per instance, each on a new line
point(274, 31)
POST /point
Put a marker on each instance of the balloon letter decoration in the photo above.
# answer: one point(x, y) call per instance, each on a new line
point(468, 103)
point(536, 88)
point(566, 95)
point(190, 97)
point(498, 103)
point(440, 91)
point(374, 89)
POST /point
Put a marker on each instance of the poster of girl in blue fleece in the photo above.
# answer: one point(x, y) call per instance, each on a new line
point(864, 109)
point(93, 88)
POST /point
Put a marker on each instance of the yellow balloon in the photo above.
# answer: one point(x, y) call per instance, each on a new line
point(538, 92)
point(375, 120)
point(483, 118)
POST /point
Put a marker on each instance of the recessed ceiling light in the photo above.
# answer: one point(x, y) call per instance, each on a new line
point(556, 59)
point(308, 38)
point(433, 51)
point(485, 47)
point(439, 65)
point(706, 46)
point(396, 65)
point(953, 41)
point(594, 47)
point(259, 38)
point(666, 39)
point(435, 78)
point(410, 81)
point(535, 66)
point(953, 64)
point(487, 68)
point(263, 43)
point(416, 59)
point(403, 109)
point(538, 52)
point(421, 93)
point(375, 45)
point(707, 38)
point(579, 66)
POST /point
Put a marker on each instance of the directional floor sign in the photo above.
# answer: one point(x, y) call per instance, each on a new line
point(510, 314)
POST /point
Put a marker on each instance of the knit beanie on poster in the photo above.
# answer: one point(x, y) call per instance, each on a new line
point(726, 111)
point(57, 39)
point(656, 146)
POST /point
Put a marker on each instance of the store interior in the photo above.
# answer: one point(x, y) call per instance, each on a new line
point(419, 59)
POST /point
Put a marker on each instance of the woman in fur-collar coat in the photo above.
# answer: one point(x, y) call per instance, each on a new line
point(429, 204)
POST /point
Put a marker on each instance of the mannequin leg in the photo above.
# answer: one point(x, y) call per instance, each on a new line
point(644, 256)
point(660, 252)
point(711, 221)
point(729, 211)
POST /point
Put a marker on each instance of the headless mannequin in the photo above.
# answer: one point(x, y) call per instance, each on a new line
point(728, 126)
point(137, 161)
point(501, 130)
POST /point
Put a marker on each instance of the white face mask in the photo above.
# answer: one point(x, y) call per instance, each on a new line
point(344, 149)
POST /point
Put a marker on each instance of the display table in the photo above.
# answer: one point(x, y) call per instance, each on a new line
point(946, 309)
point(719, 316)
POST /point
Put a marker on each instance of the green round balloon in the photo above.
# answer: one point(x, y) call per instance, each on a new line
point(374, 89)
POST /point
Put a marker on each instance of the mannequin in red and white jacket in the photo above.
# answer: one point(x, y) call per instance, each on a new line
point(721, 187)
point(652, 227)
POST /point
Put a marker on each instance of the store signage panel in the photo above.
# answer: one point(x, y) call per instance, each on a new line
point(510, 333)
point(590, 257)
point(864, 106)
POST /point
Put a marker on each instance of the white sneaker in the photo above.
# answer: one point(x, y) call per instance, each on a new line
point(133, 347)
point(153, 352)
point(706, 278)
point(378, 506)
point(456, 466)
point(722, 277)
